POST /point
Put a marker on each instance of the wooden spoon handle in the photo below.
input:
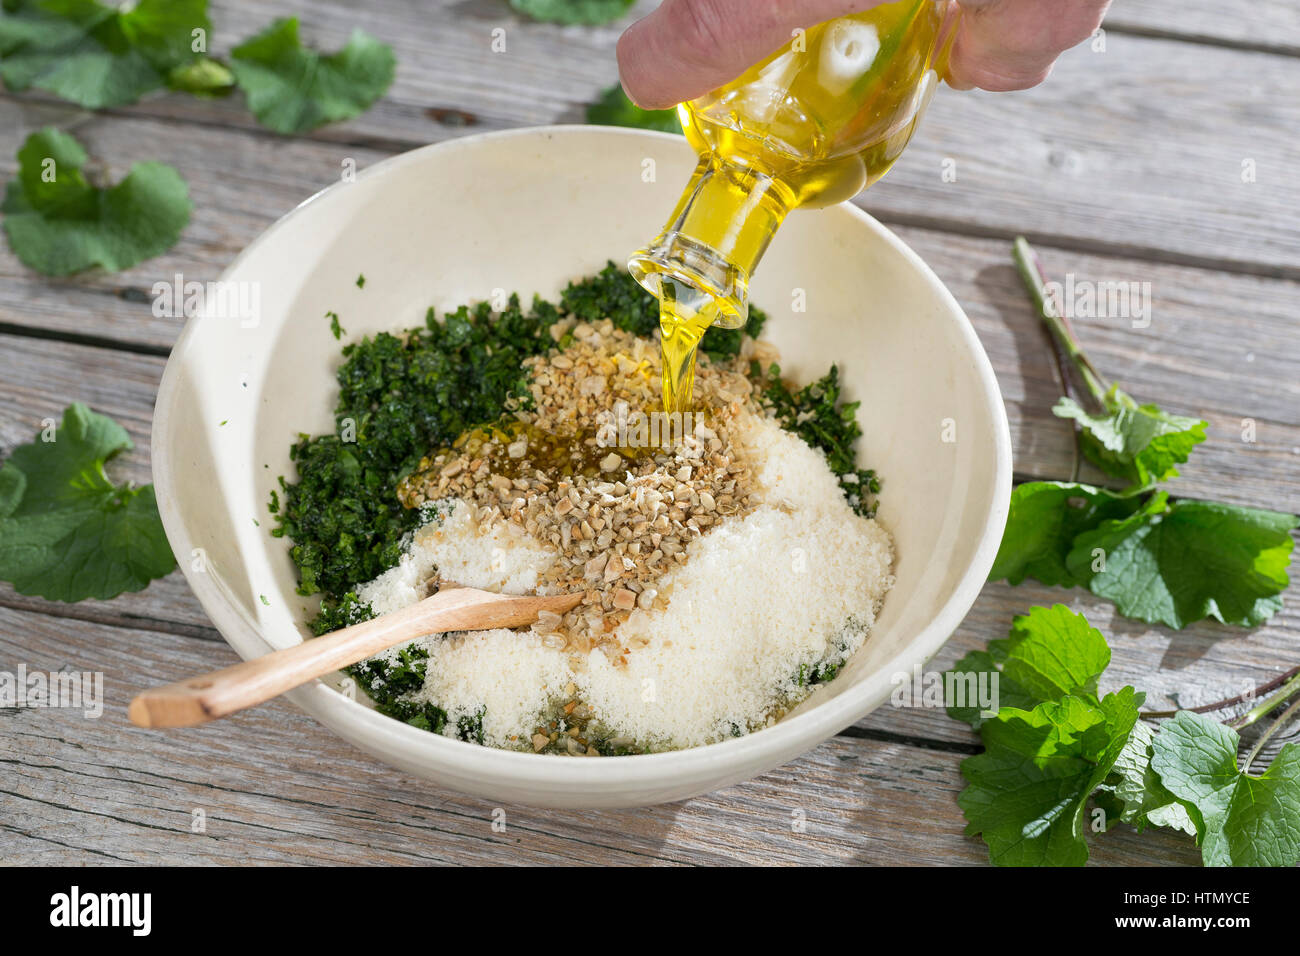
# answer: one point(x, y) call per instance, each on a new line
point(197, 700)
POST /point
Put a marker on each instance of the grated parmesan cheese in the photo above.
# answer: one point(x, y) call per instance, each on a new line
point(758, 602)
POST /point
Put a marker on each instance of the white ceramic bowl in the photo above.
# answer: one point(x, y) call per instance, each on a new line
point(529, 210)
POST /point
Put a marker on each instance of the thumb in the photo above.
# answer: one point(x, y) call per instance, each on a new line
point(687, 47)
point(1012, 44)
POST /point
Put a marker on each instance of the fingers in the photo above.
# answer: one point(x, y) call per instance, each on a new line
point(687, 47)
point(1012, 44)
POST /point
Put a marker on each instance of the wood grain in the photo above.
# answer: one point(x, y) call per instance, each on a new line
point(274, 787)
point(1135, 150)
point(1126, 165)
point(1245, 23)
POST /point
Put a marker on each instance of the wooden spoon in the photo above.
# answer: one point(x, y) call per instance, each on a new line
point(209, 696)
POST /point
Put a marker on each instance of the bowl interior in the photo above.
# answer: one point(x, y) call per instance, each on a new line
point(528, 211)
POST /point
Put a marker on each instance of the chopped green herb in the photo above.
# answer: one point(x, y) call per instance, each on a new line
point(390, 684)
point(335, 327)
point(67, 532)
point(343, 612)
point(816, 415)
point(361, 282)
point(58, 223)
point(470, 728)
point(264, 600)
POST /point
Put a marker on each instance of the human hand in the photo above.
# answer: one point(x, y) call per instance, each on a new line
point(687, 47)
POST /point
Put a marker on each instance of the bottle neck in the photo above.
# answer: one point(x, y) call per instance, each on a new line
point(716, 236)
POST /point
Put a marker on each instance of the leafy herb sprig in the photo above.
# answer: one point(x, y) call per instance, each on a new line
point(1056, 748)
point(1158, 559)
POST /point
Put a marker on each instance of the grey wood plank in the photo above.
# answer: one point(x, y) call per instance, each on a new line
point(276, 788)
point(47, 374)
point(1270, 26)
point(704, 830)
point(1137, 150)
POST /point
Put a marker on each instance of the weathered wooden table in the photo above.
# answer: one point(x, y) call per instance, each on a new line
point(1127, 165)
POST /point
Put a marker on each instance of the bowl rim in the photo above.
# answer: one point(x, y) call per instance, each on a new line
point(792, 735)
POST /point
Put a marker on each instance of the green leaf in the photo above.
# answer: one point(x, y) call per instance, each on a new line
point(1177, 563)
point(57, 223)
point(12, 485)
point(1144, 800)
point(1139, 443)
point(615, 109)
point(1051, 653)
point(49, 173)
point(587, 12)
point(1044, 520)
point(1052, 744)
point(1245, 820)
point(96, 55)
point(1028, 791)
point(66, 531)
point(292, 89)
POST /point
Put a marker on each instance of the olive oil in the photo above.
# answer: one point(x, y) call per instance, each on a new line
point(685, 314)
point(811, 125)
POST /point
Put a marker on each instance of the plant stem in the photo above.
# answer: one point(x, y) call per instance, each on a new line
point(1269, 705)
point(1268, 734)
point(1035, 278)
point(1293, 676)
